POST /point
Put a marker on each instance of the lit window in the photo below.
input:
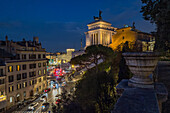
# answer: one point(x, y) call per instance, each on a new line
point(11, 88)
point(18, 67)
point(24, 84)
point(44, 71)
point(18, 86)
point(10, 68)
point(10, 99)
point(31, 83)
point(39, 64)
point(24, 93)
point(39, 72)
point(44, 64)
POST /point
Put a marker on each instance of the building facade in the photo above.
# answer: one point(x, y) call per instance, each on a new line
point(145, 41)
point(3, 100)
point(52, 59)
point(25, 69)
point(101, 32)
point(65, 57)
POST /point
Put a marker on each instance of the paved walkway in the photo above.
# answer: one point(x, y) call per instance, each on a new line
point(163, 71)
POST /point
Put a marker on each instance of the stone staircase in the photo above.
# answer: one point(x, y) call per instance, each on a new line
point(163, 72)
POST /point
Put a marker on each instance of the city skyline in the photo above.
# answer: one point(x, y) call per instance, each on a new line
point(61, 25)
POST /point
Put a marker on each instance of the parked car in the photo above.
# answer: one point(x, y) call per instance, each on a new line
point(37, 95)
point(33, 98)
point(33, 106)
point(20, 104)
point(45, 106)
point(43, 98)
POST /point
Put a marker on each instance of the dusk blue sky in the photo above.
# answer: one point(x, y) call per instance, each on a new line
point(60, 24)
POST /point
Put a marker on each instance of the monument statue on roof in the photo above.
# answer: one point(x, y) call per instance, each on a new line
point(100, 17)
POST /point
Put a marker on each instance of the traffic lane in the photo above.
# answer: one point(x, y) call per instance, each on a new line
point(38, 108)
point(26, 107)
point(50, 98)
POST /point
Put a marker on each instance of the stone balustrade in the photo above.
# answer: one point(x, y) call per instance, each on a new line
point(140, 94)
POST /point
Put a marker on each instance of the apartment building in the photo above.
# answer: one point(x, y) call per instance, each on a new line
point(24, 66)
point(3, 101)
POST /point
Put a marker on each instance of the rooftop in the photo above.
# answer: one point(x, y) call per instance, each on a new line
point(4, 54)
point(99, 21)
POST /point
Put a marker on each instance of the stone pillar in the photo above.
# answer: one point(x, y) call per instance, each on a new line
point(110, 37)
point(99, 37)
point(94, 39)
point(103, 39)
point(91, 39)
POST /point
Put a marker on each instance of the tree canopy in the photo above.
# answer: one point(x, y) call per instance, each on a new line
point(158, 12)
point(96, 92)
point(93, 54)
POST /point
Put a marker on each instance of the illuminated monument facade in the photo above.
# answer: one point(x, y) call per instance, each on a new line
point(99, 32)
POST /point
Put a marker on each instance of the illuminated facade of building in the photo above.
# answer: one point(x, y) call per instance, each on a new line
point(3, 100)
point(145, 41)
point(99, 32)
point(61, 59)
point(52, 57)
point(25, 70)
point(65, 57)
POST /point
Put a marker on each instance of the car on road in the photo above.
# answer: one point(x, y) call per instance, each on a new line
point(33, 98)
point(58, 101)
point(47, 90)
point(64, 84)
point(29, 111)
point(20, 104)
point(45, 106)
point(43, 98)
point(33, 106)
point(58, 96)
point(54, 86)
